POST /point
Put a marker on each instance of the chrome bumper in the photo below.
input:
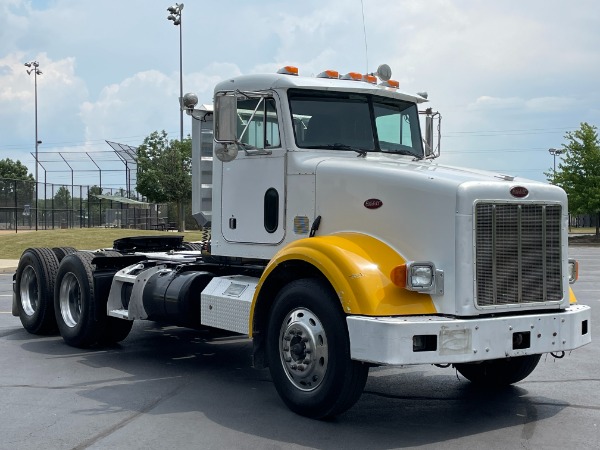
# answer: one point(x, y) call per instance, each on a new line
point(398, 340)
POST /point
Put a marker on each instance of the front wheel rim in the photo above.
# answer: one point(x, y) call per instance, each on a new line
point(29, 291)
point(70, 300)
point(303, 349)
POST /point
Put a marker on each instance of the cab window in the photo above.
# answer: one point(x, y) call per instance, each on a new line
point(258, 125)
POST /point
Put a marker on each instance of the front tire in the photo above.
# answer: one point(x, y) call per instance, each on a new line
point(34, 282)
point(499, 372)
point(308, 351)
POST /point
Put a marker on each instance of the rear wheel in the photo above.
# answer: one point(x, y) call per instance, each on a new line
point(308, 351)
point(75, 302)
point(110, 253)
point(192, 246)
point(80, 311)
point(499, 372)
point(34, 282)
point(61, 252)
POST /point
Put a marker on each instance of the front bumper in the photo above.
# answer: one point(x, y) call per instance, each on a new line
point(391, 340)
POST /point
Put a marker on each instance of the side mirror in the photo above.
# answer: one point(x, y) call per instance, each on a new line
point(226, 118)
point(428, 136)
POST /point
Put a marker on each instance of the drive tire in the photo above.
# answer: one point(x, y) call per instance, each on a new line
point(78, 313)
point(329, 382)
point(61, 252)
point(499, 372)
point(194, 246)
point(34, 290)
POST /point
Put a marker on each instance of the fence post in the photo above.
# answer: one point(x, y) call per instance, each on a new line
point(88, 205)
point(80, 207)
point(16, 202)
point(52, 205)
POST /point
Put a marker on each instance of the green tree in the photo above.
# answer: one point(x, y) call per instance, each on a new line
point(16, 184)
point(164, 171)
point(95, 205)
point(579, 172)
point(62, 198)
point(14, 170)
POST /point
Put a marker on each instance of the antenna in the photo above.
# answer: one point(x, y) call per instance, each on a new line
point(362, 6)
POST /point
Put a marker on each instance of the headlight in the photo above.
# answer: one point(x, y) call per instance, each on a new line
point(420, 276)
point(573, 271)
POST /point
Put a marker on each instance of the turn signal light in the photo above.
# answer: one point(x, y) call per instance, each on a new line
point(398, 275)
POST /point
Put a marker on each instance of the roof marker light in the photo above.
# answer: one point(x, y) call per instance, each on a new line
point(329, 74)
point(390, 83)
point(352, 76)
point(370, 79)
point(288, 70)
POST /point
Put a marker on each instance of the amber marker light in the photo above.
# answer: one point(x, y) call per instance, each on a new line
point(390, 83)
point(370, 79)
point(398, 276)
point(329, 74)
point(288, 70)
point(353, 76)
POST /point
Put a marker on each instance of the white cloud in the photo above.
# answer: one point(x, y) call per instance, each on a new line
point(111, 67)
point(60, 92)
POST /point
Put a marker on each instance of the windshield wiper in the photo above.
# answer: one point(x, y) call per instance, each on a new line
point(339, 146)
point(404, 152)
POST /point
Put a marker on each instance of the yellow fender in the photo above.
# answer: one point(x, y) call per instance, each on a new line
point(358, 267)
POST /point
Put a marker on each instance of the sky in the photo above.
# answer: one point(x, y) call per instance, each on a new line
point(509, 77)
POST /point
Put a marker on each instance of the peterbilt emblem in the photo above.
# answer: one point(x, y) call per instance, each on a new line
point(373, 203)
point(519, 191)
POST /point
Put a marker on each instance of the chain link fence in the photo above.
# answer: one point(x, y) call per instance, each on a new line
point(76, 206)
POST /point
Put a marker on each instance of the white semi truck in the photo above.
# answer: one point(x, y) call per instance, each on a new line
point(337, 244)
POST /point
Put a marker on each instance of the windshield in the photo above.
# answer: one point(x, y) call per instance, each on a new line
point(359, 122)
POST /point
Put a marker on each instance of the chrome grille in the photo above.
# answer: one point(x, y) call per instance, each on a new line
point(517, 253)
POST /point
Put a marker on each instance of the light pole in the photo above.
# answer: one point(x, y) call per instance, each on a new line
point(34, 67)
point(175, 16)
point(554, 152)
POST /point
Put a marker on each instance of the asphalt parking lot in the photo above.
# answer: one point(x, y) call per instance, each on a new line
point(167, 387)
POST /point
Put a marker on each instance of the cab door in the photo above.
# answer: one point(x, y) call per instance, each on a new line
point(253, 187)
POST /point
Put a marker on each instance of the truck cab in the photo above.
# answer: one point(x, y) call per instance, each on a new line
point(337, 244)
